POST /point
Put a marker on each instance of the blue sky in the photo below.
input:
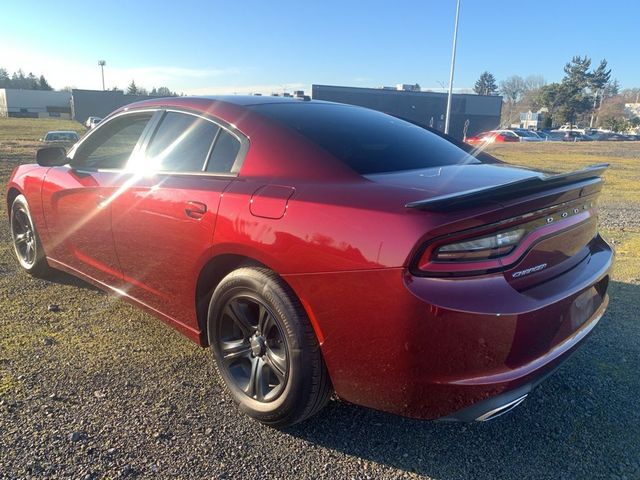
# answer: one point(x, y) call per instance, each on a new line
point(251, 46)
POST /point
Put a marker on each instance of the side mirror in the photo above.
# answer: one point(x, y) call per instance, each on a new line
point(51, 157)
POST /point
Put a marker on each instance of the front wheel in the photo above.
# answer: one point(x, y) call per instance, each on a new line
point(265, 350)
point(26, 242)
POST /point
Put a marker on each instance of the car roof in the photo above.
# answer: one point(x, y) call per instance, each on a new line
point(62, 131)
point(202, 102)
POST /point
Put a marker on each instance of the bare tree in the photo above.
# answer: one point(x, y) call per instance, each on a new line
point(512, 88)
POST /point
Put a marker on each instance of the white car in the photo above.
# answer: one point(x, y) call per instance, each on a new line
point(523, 135)
point(92, 122)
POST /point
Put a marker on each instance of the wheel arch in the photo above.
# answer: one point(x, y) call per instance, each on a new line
point(210, 276)
point(219, 267)
point(12, 193)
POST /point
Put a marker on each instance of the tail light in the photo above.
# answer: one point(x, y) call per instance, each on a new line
point(480, 248)
point(495, 247)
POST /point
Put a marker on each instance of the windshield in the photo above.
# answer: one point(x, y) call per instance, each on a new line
point(61, 137)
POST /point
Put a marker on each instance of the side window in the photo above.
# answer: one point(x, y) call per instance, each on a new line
point(181, 143)
point(224, 153)
point(112, 144)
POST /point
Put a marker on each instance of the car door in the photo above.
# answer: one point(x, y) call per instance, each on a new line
point(163, 223)
point(77, 198)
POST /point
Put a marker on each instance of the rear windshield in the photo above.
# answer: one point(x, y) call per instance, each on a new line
point(366, 140)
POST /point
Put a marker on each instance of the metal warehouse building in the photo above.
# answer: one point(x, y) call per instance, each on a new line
point(34, 103)
point(425, 108)
point(98, 103)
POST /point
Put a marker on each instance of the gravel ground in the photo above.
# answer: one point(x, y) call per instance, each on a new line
point(99, 389)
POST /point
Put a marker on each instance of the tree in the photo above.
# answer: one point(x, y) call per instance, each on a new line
point(550, 96)
point(534, 82)
point(576, 81)
point(20, 80)
point(132, 89)
point(486, 84)
point(43, 84)
point(4, 78)
point(512, 88)
point(165, 92)
point(599, 79)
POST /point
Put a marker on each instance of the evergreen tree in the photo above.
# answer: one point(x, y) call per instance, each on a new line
point(132, 89)
point(5, 80)
point(486, 84)
point(43, 84)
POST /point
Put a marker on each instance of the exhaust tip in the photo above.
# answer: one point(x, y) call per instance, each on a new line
point(502, 409)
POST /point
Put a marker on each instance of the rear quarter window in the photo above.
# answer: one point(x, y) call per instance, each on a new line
point(366, 140)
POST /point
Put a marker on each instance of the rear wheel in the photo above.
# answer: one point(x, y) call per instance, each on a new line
point(265, 350)
point(26, 242)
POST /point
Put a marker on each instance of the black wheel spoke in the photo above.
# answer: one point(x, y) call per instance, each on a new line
point(31, 252)
point(232, 351)
point(235, 311)
point(252, 385)
point(21, 218)
point(265, 321)
point(277, 364)
point(21, 238)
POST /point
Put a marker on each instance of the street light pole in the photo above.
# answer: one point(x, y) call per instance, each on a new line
point(102, 63)
point(453, 64)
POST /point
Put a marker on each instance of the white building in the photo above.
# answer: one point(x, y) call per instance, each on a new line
point(34, 103)
point(632, 109)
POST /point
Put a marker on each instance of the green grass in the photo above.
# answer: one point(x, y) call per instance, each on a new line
point(32, 129)
point(622, 178)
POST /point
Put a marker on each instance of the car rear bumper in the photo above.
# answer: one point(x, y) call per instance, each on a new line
point(456, 348)
point(498, 405)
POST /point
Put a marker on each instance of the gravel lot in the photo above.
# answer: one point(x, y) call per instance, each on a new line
point(100, 389)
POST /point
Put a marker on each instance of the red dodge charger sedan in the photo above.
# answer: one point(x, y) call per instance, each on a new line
point(320, 247)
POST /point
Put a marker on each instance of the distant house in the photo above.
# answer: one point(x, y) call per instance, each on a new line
point(632, 109)
point(34, 103)
point(531, 120)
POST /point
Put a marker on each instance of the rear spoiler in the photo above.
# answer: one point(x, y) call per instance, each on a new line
point(507, 191)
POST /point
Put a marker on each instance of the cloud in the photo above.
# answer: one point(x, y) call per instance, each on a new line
point(62, 72)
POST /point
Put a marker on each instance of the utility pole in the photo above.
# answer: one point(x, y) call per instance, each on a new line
point(102, 63)
point(593, 112)
point(453, 64)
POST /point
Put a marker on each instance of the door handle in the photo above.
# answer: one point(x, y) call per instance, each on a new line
point(195, 209)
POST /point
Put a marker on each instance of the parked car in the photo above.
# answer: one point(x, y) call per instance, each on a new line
point(525, 135)
point(92, 122)
point(555, 136)
point(572, 136)
point(61, 137)
point(609, 137)
point(493, 136)
point(318, 247)
point(540, 134)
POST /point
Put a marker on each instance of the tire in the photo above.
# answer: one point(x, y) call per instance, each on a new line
point(265, 350)
point(26, 242)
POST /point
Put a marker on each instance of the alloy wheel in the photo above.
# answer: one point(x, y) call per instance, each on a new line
point(24, 238)
point(253, 348)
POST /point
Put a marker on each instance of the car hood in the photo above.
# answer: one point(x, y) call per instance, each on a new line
point(453, 178)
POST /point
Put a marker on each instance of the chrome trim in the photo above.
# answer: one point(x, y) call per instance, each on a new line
point(150, 130)
point(106, 121)
point(502, 409)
